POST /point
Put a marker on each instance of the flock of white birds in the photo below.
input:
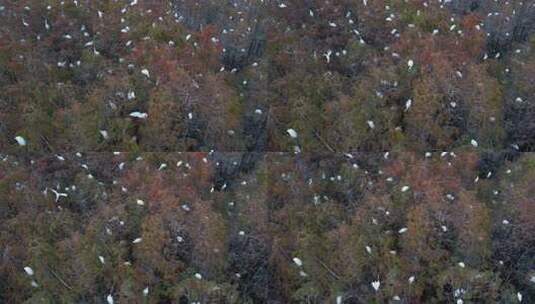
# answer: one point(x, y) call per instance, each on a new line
point(391, 15)
point(449, 157)
point(48, 24)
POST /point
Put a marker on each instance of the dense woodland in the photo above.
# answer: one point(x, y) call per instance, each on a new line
point(267, 151)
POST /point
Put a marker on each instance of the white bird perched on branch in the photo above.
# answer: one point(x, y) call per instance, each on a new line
point(28, 270)
point(408, 104)
point(104, 134)
point(20, 140)
point(376, 285)
point(139, 115)
point(109, 299)
point(145, 72)
point(327, 55)
point(298, 261)
point(292, 133)
point(131, 95)
point(410, 64)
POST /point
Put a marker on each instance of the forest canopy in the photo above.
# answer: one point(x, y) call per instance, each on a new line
point(267, 151)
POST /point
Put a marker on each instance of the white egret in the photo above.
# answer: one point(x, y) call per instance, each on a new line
point(139, 115)
point(58, 194)
point(20, 140)
point(408, 104)
point(376, 285)
point(145, 72)
point(292, 133)
point(28, 270)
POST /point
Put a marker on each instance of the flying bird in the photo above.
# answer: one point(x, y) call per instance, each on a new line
point(58, 194)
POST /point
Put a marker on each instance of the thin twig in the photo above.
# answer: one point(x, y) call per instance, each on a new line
point(59, 279)
point(323, 141)
point(328, 269)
